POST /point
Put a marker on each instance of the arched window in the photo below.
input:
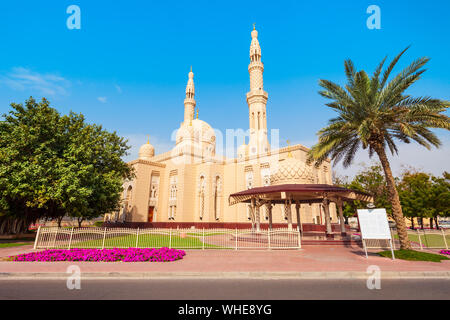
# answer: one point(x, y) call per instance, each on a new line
point(217, 186)
point(259, 125)
point(172, 197)
point(202, 196)
point(249, 179)
point(129, 195)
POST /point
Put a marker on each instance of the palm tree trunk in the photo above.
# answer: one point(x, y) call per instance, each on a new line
point(394, 198)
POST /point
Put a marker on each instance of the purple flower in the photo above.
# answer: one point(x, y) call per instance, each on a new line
point(107, 255)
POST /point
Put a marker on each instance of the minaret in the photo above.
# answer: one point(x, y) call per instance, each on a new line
point(189, 101)
point(257, 100)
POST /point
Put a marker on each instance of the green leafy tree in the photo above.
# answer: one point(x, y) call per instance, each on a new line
point(53, 165)
point(348, 207)
point(373, 113)
point(440, 197)
point(369, 179)
point(414, 191)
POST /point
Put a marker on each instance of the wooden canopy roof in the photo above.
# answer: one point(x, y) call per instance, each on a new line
point(301, 193)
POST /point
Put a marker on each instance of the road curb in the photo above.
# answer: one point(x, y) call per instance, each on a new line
point(227, 275)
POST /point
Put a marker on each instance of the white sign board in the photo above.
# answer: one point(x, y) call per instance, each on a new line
point(374, 224)
point(444, 222)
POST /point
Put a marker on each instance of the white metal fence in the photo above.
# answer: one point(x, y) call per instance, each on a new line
point(67, 238)
point(419, 239)
point(425, 239)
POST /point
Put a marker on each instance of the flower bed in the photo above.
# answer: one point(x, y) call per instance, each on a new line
point(447, 252)
point(106, 255)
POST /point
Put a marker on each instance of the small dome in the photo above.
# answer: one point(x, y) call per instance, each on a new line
point(146, 151)
point(292, 171)
point(242, 151)
point(197, 131)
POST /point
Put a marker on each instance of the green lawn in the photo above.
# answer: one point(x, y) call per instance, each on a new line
point(413, 255)
point(13, 244)
point(429, 240)
point(146, 241)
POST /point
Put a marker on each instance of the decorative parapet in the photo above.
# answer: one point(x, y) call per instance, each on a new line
point(152, 163)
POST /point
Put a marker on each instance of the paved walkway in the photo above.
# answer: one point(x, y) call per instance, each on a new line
point(310, 259)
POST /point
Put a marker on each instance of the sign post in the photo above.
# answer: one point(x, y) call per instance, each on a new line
point(374, 225)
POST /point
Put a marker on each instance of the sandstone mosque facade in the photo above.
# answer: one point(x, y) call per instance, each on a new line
point(191, 184)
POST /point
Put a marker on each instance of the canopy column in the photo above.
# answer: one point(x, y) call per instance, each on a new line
point(252, 212)
point(258, 216)
point(288, 211)
point(326, 209)
point(269, 208)
point(299, 223)
point(341, 217)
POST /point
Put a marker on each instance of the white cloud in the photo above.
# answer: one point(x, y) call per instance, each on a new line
point(102, 99)
point(23, 79)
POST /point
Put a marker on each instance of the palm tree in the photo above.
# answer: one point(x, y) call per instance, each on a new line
point(376, 114)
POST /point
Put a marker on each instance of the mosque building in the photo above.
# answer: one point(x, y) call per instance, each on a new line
point(190, 185)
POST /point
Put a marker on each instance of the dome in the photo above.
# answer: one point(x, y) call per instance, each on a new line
point(242, 151)
point(292, 171)
point(198, 131)
point(146, 151)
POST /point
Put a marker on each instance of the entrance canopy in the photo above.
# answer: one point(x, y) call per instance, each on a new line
point(300, 193)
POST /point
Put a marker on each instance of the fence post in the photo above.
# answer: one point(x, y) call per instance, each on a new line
point(203, 239)
point(299, 240)
point(420, 240)
point(56, 236)
point(445, 240)
point(137, 237)
point(236, 239)
point(37, 237)
point(70, 239)
point(104, 237)
point(268, 237)
point(170, 238)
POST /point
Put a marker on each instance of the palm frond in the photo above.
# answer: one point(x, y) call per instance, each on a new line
point(373, 113)
point(388, 71)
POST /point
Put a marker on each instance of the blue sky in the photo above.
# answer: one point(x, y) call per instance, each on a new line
point(126, 68)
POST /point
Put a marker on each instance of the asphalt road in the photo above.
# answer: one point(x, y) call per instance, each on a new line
point(209, 289)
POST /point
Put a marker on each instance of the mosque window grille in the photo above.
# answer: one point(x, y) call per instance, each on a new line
point(217, 196)
point(172, 212)
point(173, 188)
point(264, 165)
point(129, 196)
point(201, 194)
point(154, 187)
point(249, 180)
point(248, 168)
point(265, 176)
